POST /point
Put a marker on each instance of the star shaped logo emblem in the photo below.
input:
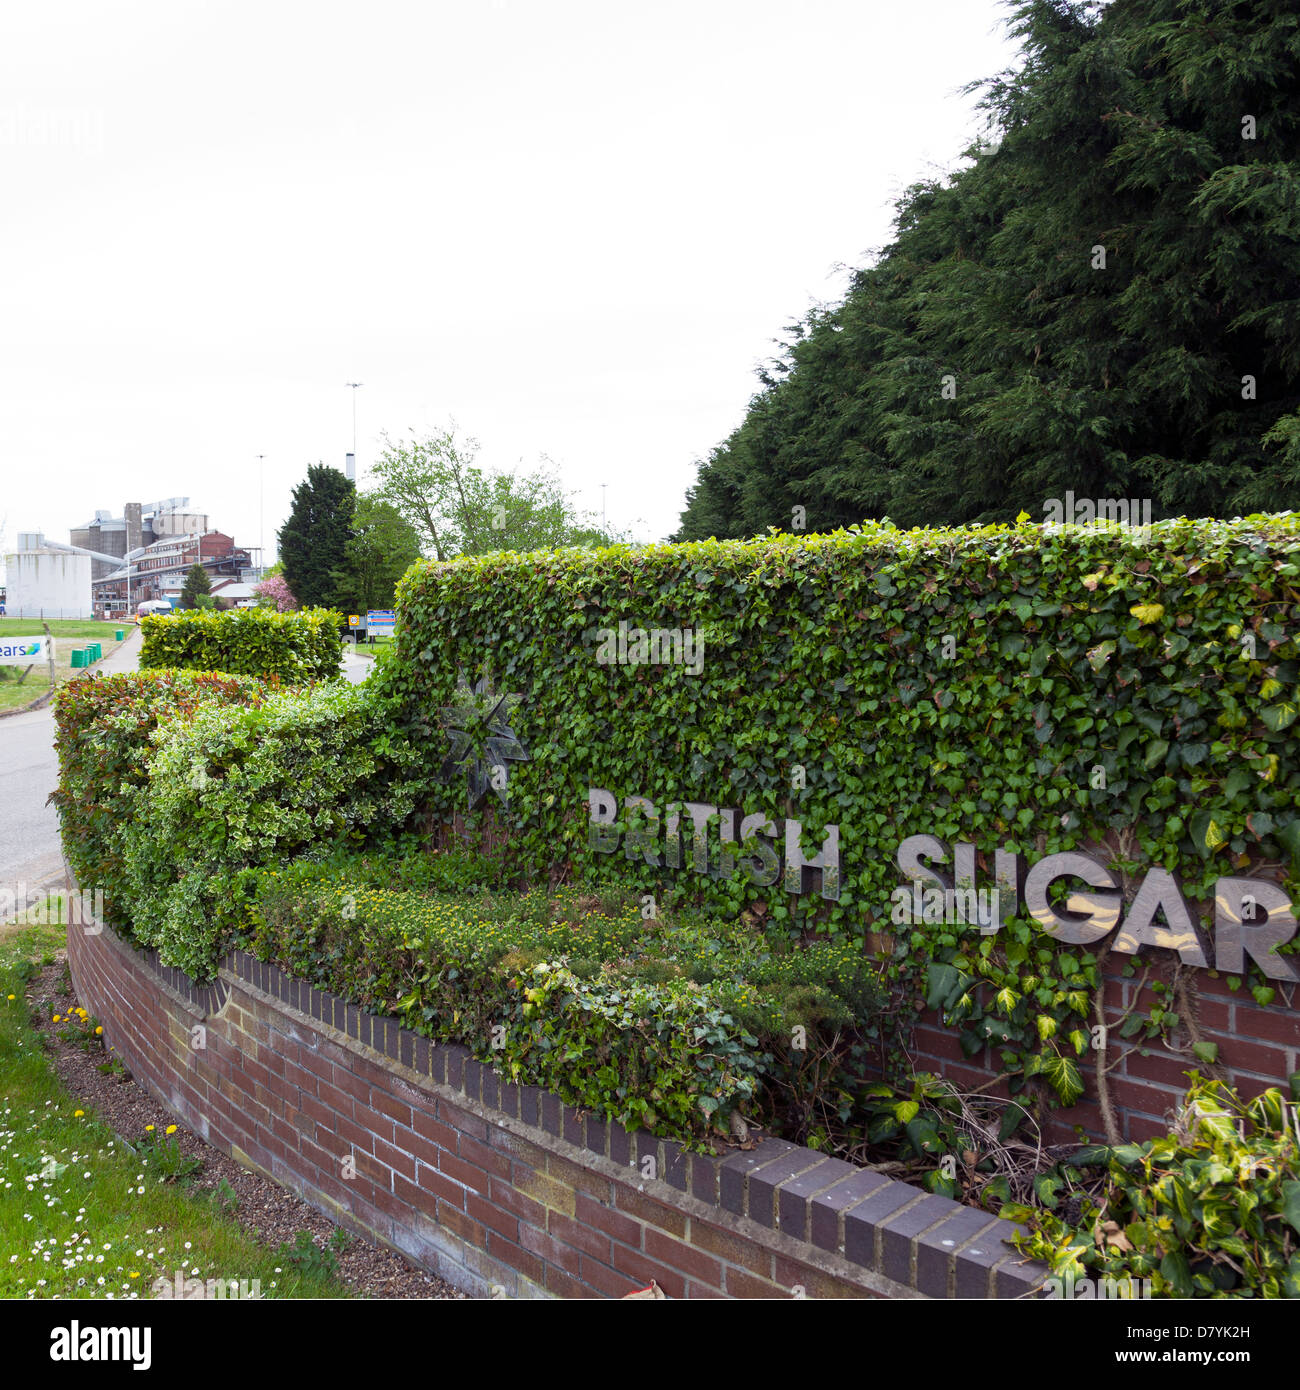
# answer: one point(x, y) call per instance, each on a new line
point(481, 721)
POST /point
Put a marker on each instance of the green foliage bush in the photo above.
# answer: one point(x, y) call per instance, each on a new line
point(668, 1025)
point(233, 789)
point(298, 647)
point(104, 729)
point(1212, 1210)
point(963, 683)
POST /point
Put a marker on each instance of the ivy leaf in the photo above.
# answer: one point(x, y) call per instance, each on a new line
point(1177, 1273)
point(1045, 1188)
point(1291, 1203)
point(944, 986)
point(1063, 1077)
point(1156, 751)
point(1099, 655)
point(1280, 716)
point(1289, 835)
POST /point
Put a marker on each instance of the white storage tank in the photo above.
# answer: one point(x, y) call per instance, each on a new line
point(45, 583)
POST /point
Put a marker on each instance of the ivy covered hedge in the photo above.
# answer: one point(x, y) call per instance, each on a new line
point(670, 1025)
point(298, 647)
point(1005, 686)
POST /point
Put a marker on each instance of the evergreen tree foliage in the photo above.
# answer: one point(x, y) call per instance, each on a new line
point(1105, 299)
point(314, 540)
point(197, 585)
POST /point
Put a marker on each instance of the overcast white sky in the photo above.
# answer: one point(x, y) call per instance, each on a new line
point(575, 226)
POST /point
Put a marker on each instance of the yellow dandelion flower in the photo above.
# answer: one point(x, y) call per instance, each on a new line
point(171, 1129)
point(148, 1128)
point(77, 1114)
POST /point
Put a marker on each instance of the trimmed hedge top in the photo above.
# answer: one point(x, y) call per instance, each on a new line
point(297, 647)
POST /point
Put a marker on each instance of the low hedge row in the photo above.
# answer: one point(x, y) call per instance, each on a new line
point(298, 647)
point(668, 1025)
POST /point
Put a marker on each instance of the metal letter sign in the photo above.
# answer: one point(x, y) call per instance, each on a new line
point(1252, 917)
point(747, 848)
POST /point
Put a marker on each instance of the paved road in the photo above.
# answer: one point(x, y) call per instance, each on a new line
point(355, 668)
point(29, 772)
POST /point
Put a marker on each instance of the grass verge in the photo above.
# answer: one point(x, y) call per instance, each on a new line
point(83, 1212)
point(16, 696)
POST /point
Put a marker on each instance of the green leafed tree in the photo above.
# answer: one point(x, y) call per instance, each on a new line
point(197, 586)
point(1105, 299)
point(314, 540)
point(382, 547)
point(458, 508)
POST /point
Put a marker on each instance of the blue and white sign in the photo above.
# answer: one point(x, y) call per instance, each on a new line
point(380, 620)
point(23, 651)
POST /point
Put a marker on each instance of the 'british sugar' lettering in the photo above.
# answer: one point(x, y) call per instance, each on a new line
point(747, 844)
point(1252, 917)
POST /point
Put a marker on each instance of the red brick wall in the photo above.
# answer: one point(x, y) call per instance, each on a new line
point(490, 1183)
point(1259, 1047)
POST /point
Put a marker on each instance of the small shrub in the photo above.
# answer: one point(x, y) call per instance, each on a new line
point(235, 789)
point(104, 731)
point(317, 1261)
point(1212, 1210)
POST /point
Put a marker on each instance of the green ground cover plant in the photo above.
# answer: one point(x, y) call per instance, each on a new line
point(1211, 1210)
point(672, 1024)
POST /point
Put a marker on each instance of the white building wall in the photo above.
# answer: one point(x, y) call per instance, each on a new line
point(47, 584)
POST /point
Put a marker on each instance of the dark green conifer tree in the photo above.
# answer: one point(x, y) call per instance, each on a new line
point(314, 540)
point(1104, 300)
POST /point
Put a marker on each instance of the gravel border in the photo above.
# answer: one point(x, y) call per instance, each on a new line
point(269, 1212)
